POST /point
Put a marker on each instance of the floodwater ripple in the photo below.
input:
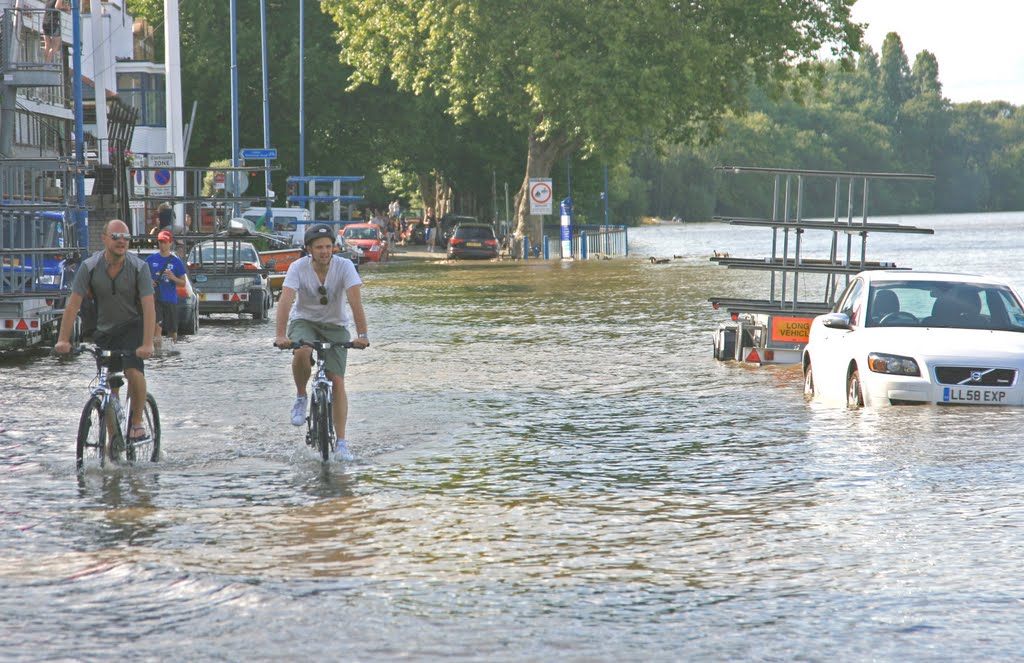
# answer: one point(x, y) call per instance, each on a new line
point(549, 464)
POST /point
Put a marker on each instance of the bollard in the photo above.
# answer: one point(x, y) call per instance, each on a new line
point(583, 245)
point(547, 250)
point(526, 247)
point(567, 229)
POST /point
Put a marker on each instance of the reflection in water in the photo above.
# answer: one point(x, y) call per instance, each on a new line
point(549, 460)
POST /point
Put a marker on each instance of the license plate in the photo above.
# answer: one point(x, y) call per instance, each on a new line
point(964, 395)
point(202, 296)
point(473, 244)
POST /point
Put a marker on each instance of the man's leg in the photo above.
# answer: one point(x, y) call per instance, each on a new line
point(137, 392)
point(301, 369)
point(339, 409)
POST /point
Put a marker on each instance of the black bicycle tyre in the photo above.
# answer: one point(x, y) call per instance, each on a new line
point(320, 419)
point(151, 422)
point(86, 425)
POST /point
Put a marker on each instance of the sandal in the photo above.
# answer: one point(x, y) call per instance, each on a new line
point(138, 434)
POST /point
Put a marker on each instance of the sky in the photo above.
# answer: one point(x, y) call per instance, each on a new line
point(978, 43)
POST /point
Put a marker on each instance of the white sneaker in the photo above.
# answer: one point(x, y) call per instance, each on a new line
point(299, 411)
point(341, 450)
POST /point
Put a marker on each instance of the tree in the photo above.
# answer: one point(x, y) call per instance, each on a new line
point(592, 77)
point(895, 76)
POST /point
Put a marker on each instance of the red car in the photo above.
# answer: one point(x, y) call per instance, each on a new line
point(369, 238)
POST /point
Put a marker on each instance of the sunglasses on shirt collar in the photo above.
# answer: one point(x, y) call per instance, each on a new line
point(323, 295)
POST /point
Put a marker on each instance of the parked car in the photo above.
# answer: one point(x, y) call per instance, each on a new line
point(188, 301)
point(229, 277)
point(899, 337)
point(446, 226)
point(473, 240)
point(369, 238)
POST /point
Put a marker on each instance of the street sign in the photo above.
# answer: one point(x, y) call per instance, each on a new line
point(138, 183)
point(218, 180)
point(266, 153)
point(236, 182)
point(161, 184)
point(540, 196)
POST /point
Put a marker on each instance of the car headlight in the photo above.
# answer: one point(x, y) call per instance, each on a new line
point(894, 364)
point(48, 279)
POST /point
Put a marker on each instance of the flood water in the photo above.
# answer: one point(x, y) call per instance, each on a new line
point(550, 465)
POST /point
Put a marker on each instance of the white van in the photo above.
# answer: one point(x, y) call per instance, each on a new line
point(286, 219)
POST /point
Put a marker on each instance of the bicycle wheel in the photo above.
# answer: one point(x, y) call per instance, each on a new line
point(148, 446)
point(320, 421)
point(92, 434)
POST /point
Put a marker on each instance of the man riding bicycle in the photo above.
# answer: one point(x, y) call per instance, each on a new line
point(317, 292)
point(120, 284)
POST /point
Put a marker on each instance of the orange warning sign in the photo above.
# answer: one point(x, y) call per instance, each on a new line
point(753, 357)
point(791, 330)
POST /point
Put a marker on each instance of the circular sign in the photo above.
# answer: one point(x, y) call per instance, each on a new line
point(162, 177)
point(540, 193)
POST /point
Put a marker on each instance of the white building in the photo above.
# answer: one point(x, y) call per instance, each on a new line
point(117, 57)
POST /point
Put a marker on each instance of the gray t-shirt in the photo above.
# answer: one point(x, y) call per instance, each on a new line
point(117, 299)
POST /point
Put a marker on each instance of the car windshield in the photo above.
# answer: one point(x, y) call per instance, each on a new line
point(944, 304)
point(361, 233)
point(474, 232)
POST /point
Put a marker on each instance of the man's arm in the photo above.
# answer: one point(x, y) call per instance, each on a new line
point(67, 323)
point(145, 351)
point(355, 302)
point(284, 308)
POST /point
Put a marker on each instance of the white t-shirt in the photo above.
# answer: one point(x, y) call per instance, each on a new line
point(341, 275)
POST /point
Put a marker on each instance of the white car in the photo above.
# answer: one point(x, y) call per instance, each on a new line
point(900, 337)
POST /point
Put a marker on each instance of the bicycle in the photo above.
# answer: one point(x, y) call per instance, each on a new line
point(104, 415)
point(320, 421)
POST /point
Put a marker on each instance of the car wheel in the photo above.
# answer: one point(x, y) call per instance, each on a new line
point(191, 325)
point(808, 382)
point(854, 392)
point(260, 305)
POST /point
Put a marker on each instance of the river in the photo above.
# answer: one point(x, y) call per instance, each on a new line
point(550, 465)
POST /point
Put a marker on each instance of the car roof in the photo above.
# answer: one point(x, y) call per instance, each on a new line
point(890, 275)
point(475, 225)
point(361, 225)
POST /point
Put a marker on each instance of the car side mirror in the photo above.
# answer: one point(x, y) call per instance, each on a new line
point(836, 321)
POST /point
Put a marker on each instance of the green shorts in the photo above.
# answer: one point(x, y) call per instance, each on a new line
point(305, 330)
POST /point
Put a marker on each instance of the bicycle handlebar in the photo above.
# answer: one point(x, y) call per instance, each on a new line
point(97, 351)
point(316, 345)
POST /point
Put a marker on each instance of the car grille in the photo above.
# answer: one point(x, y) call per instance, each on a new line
point(976, 377)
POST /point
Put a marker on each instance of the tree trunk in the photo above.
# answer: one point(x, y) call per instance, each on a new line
point(542, 153)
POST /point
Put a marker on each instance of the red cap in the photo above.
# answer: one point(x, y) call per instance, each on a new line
point(165, 236)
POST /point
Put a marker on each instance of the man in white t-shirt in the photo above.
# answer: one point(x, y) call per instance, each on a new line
point(318, 291)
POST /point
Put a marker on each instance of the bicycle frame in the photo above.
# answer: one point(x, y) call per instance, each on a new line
point(105, 414)
point(320, 421)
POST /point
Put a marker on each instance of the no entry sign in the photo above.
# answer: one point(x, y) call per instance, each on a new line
point(540, 196)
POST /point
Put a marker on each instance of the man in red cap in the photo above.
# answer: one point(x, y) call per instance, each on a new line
point(168, 273)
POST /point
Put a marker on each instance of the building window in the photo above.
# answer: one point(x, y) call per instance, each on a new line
point(146, 93)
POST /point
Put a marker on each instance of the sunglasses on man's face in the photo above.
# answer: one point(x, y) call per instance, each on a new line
point(323, 295)
point(117, 236)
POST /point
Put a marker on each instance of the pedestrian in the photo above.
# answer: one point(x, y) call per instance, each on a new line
point(168, 273)
point(318, 291)
point(165, 216)
point(121, 285)
point(52, 39)
point(429, 225)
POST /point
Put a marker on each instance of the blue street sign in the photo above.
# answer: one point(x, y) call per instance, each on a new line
point(267, 153)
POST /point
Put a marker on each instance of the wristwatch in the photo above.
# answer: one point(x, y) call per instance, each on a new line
point(364, 337)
